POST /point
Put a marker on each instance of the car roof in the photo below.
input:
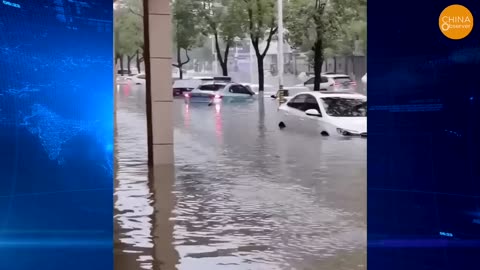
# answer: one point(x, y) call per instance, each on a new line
point(214, 83)
point(187, 83)
point(328, 75)
point(213, 78)
point(338, 94)
point(335, 75)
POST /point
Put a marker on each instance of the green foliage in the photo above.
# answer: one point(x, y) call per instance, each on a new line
point(128, 27)
point(232, 21)
point(261, 25)
point(224, 20)
point(353, 28)
point(336, 23)
point(221, 17)
point(185, 24)
point(310, 20)
point(261, 19)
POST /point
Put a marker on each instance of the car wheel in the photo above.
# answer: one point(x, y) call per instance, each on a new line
point(281, 125)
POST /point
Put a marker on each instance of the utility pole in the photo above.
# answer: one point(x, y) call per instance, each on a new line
point(280, 43)
point(215, 61)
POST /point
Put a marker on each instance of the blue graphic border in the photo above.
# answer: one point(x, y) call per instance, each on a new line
point(423, 173)
point(56, 134)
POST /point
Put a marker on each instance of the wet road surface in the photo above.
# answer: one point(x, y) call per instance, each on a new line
point(246, 195)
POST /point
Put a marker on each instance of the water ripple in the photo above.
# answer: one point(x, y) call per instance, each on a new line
point(247, 195)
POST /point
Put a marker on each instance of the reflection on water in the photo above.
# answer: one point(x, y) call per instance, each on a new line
point(246, 195)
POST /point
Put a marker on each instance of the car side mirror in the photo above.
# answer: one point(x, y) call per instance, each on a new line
point(313, 112)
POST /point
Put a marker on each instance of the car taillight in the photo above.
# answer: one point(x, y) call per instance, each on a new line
point(353, 84)
point(186, 95)
point(217, 97)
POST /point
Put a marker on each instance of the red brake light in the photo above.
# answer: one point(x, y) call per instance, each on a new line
point(217, 97)
point(186, 95)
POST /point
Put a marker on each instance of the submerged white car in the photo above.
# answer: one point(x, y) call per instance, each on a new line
point(217, 92)
point(364, 81)
point(138, 78)
point(328, 82)
point(326, 113)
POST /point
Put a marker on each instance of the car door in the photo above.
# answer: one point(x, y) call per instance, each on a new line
point(324, 83)
point(313, 123)
point(294, 114)
point(238, 92)
point(309, 83)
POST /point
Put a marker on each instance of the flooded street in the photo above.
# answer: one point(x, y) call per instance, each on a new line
point(246, 195)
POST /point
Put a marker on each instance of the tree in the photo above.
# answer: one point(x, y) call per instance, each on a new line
point(353, 38)
point(321, 25)
point(128, 33)
point(261, 26)
point(185, 30)
point(136, 8)
point(223, 19)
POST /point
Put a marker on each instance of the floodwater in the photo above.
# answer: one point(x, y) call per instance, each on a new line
point(243, 194)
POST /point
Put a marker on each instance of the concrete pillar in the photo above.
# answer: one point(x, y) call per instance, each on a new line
point(158, 65)
point(162, 181)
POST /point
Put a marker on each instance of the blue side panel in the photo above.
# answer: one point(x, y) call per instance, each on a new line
point(56, 134)
point(424, 139)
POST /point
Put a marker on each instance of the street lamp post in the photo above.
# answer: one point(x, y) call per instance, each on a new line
point(280, 43)
point(215, 61)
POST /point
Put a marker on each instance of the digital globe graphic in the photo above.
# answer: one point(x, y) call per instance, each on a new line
point(56, 133)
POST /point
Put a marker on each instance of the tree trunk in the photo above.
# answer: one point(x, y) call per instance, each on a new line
point(224, 67)
point(138, 62)
point(223, 60)
point(129, 62)
point(121, 64)
point(261, 74)
point(317, 64)
point(179, 63)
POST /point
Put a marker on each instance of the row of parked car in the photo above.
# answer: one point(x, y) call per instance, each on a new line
point(334, 111)
point(328, 82)
point(212, 90)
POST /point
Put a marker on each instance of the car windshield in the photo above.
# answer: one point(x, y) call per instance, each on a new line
point(211, 87)
point(345, 107)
